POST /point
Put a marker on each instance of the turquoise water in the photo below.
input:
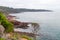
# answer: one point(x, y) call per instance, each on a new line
point(49, 23)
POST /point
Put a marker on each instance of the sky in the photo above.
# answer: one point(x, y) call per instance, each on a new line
point(32, 4)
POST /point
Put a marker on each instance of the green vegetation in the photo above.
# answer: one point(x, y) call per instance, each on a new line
point(15, 36)
point(7, 25)
point(24, 36)
point(2, 39)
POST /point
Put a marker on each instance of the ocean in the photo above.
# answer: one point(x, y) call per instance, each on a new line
point(49, 23)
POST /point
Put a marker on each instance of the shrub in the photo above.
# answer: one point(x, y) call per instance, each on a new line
point(7, 25)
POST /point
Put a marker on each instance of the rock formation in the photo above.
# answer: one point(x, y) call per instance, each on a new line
point(2, 29)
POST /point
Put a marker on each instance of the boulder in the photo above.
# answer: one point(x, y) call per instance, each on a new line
point(2, 29)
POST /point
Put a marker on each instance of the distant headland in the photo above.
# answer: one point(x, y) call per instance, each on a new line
point(19, 10)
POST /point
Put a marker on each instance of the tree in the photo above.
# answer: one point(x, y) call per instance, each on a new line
point(7, 25)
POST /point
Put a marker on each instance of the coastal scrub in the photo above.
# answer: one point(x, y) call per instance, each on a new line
point(7, 25)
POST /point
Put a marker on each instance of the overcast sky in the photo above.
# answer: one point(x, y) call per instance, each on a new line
point(33, 4)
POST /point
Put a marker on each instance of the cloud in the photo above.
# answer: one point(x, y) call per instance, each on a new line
point(47, 4)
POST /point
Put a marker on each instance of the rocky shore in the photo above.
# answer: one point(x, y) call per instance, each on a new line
point(8, 24)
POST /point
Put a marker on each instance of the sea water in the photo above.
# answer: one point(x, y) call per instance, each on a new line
point(49, 23)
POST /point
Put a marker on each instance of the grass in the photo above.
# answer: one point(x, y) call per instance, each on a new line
point(26, 37)
point(2, 39)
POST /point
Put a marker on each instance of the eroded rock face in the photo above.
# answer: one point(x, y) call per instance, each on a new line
point(2, 29)
point(18, 24)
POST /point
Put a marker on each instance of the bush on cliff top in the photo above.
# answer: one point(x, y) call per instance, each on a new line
point(7, 25)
